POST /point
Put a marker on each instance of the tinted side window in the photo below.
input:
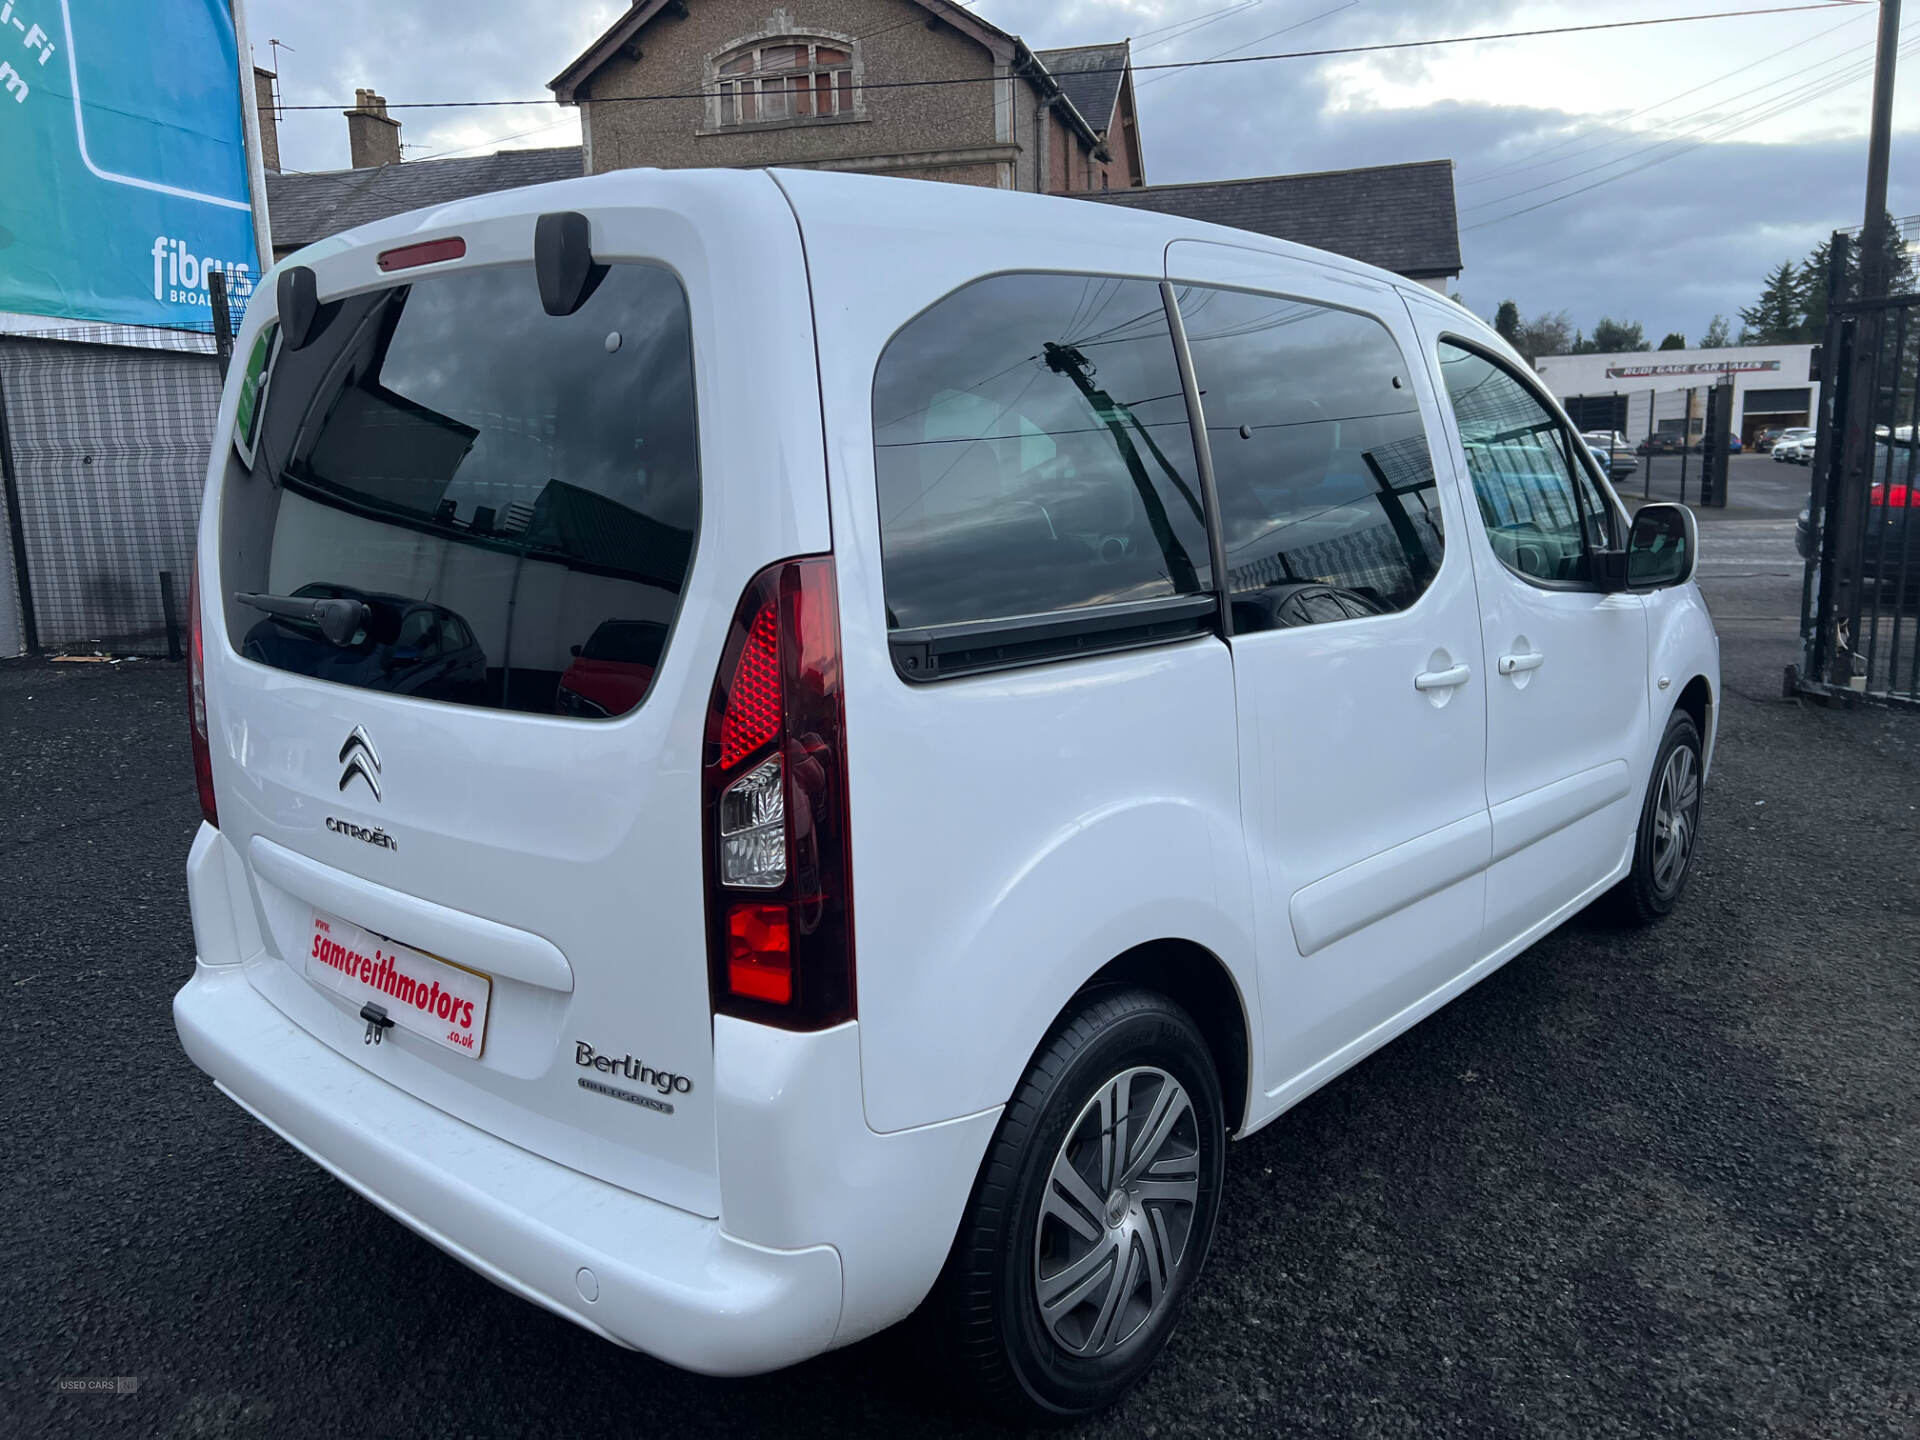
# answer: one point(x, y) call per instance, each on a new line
point(1033, 454)
point(1542, 511)
point(1326, 481)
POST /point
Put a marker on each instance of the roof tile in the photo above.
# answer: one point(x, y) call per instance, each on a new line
point(1090, 75)
point(306, 206)
point(1399, 217)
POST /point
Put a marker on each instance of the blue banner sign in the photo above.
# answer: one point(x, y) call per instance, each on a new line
point(123, 172)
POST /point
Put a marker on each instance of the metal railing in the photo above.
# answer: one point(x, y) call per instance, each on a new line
point(1860, 595)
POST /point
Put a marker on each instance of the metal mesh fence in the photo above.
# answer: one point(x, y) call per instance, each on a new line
point(109, 450)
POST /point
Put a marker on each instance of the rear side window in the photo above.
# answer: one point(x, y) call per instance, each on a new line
point(499, 491)
point(1327, 499)
point(1033, 454)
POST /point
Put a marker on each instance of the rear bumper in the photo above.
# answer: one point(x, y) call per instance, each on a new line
point(637, 1272)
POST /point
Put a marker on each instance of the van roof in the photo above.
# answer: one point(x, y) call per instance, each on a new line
point(906, 208)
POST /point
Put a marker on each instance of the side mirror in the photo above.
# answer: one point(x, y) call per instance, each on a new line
point(1662, 548)
point(574, 650)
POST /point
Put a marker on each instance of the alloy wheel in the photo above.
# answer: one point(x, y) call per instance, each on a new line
point(1118, 1212)
point(1676, 819)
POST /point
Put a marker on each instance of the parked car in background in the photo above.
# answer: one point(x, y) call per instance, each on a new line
point(1617, 462)
point(1008, 818)
point(1892, 548)
point(1763, 439)
point(1795, 446)
point(610, 673)
point(1664, 443)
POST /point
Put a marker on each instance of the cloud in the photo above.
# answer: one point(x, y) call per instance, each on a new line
point(1670, 246)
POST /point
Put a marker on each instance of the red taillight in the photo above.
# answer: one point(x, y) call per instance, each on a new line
point(753, 704)
point(427, 252)
point(1893, 497)
point(760, 953)
point(779, 891)
point(197, 702)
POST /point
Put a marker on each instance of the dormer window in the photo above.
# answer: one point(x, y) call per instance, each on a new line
point(793, 78)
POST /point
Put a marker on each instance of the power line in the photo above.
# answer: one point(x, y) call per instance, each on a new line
point(1804, 83)
point(1261, 39)
point(1719, 129)
point(1323, 53)
point(1780, 107)
point(1184, 28)
point(1534, 161)
point(497, 140)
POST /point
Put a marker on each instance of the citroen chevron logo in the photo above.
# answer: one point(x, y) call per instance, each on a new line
point(361, 759)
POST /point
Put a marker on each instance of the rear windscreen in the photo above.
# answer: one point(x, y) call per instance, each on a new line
point(485, 497)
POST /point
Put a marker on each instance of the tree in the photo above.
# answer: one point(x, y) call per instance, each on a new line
point(1507, 322)
point(1718, 336)
point(1674, 341)
point(1777, 317)
point(1897, 264)
point(1813, 292)
point(1545, 335)
point(1612, 337)
point(1901, 278)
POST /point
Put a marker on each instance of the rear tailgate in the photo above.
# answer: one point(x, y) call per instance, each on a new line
point(471, 489)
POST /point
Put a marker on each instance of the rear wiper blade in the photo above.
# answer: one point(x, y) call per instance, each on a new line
point(338, 620)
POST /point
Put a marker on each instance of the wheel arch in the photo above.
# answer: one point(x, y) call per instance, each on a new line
point(1199, 982)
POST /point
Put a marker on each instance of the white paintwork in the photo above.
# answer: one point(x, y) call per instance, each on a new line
point(1356, 820)
point(1361, 791)
point(1566, 699)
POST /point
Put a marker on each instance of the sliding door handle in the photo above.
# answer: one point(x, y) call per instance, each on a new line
point(1527, 660)
point(1442, 679)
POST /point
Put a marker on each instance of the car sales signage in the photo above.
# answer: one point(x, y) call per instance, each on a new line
point(123, 172)
point(1696, 367)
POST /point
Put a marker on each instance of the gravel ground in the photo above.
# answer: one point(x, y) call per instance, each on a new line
point(1633, 1183)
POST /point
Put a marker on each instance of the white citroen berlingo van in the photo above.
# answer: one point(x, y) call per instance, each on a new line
point(782, 750)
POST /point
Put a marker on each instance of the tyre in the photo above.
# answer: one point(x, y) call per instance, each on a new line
point(1092, 1214)
point(1669, 833)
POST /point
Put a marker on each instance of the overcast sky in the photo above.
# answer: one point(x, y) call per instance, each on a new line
point(1723, 146)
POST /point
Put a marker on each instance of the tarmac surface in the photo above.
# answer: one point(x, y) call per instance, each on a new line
point(1633, 1183)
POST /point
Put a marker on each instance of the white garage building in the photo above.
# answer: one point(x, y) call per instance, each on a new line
point(1664, 391)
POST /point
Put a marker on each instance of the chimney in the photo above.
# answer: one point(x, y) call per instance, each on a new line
point(372, 136)
point(269, 120)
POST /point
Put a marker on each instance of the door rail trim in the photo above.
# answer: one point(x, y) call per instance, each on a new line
point(1532, 817)
point(1369, 890)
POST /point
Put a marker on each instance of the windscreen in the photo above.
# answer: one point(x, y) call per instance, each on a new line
point(488, 496)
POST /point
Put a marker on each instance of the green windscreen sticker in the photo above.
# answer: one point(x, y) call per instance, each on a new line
point(248, 413)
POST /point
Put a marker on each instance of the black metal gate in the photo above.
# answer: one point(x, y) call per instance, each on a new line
point(1860, 599)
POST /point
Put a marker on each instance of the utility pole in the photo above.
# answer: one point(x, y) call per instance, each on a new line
point(1873, 258)
point(1848, 522)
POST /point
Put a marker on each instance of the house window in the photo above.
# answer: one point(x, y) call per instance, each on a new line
point(789, 79)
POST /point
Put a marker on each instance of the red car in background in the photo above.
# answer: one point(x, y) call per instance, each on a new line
point(611, 672)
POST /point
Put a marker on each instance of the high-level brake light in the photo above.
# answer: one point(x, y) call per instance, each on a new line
point(426, 252)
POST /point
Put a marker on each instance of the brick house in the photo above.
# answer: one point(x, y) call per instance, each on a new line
point(924, 89)
point(842, 85)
